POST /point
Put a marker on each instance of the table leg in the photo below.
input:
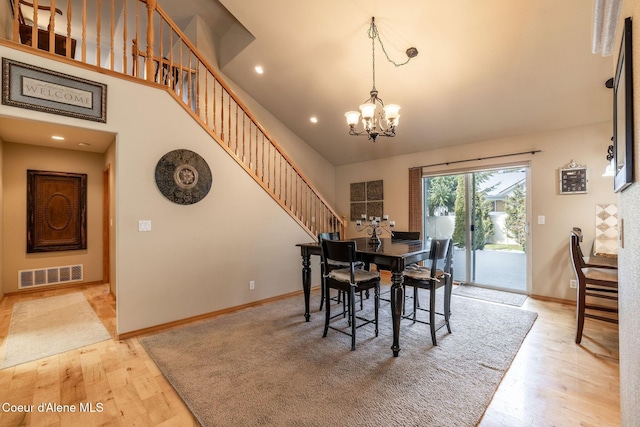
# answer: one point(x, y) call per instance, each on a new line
point(306, 282)
point(397, 300)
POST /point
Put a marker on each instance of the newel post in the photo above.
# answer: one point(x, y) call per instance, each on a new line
point(151, 7)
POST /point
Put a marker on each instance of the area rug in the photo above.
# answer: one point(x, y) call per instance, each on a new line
point(492, 295)
point(266, 366)
point(48, 326)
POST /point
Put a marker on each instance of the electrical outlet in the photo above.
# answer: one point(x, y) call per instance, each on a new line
point(573, 284)
point(252, 285)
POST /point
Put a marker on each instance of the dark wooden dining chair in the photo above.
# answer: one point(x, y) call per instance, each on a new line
point(405, 235)
point(25, 28)
point(349, 280)
point(599, 262)
point(431, 277)
point(335, 235)
point(593, 282)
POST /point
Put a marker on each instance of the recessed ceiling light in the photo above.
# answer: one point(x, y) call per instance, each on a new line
point(259, 69)
point(83, 144)
point(314, 119)
point(58, 138)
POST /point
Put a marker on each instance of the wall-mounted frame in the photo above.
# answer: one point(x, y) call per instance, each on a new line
point(34, 88)
point(623, 113)
point(366, 199)
point(56, 211)
point(573, 179)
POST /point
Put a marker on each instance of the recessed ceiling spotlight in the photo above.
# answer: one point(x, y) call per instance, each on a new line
point(314, 119)
point(259, 69)
point(58, 138)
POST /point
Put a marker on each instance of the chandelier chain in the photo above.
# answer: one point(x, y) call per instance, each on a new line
point(375, 34)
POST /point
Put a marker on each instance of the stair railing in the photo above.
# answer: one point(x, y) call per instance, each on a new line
point(138, 39)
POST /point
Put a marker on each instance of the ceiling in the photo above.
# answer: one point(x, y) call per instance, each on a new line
point(485, 70)
point(40, 133)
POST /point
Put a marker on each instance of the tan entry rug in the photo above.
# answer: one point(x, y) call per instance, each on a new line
point(493, 295)
point(266, 366)
point(48, 326)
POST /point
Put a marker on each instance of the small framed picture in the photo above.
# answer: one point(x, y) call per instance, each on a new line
point(573, 180)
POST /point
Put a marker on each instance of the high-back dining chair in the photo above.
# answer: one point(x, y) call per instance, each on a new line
point(599, 262)
point(593, 282)
point(349, 280)
point(432, 278)
point(26, 16)
point(405, 235)
point(334, 235)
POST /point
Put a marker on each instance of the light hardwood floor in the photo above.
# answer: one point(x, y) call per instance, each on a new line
point(552, 381)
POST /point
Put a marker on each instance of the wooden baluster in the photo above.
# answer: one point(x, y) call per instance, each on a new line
point(269, 166)
point(280, 178)
point(16, 22)
point(206, 98)
point(222, 114)
point(250, 144)
point(197, 94)
point(215, 104)
point(84, 31)
point(161, 70)
point(34, 29)
point(52, 27)
point(112, 29)
point(171, 77)
point(189, 81)
point(124, 38)
point(151, 7)
point(274, 168)
point(244, 134)
point(244, 142)
point(136, 41)
point(98, 29)
point(263, 159)
point(237, 120)
point(180, 79)
point(256, 158)
point(229, 117)
point(68, 39)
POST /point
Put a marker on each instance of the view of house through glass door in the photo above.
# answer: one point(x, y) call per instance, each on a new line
point(485, 214)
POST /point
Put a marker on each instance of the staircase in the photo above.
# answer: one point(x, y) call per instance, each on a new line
point(137, 39)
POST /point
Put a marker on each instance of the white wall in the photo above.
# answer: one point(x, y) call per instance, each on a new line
point(549, 248)
point(199, 258)
point(629, 257)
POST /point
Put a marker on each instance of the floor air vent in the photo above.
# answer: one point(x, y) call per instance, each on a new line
point(49, 276)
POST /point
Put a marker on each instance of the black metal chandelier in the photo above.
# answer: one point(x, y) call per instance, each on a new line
point(384, 122)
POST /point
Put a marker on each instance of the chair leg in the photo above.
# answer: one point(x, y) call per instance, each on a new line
point(376, 304)
point(580, 307)
point(322, 290)
point(352, 317)
point(328, 313)
point(415, 303)
point(404, 289)
point(432, 313)
point(447, 302)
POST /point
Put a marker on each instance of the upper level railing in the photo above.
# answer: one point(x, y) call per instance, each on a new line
point(138, 39)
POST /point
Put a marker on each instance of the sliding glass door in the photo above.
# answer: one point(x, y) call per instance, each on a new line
point(485, 214)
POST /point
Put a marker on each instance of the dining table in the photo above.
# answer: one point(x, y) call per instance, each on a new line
point(390, 255)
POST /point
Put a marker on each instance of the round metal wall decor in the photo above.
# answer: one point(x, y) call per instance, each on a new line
point(183, 177)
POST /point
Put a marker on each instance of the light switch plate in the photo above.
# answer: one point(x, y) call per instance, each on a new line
point(144, 225)
point(541, 219)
